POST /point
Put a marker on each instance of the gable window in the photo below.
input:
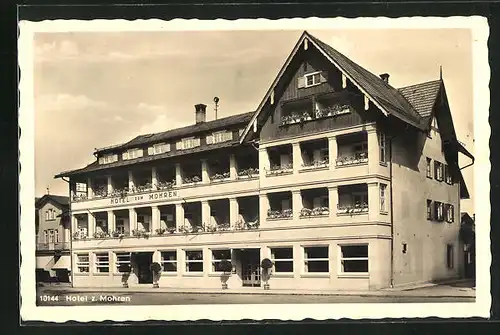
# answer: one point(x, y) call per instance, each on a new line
point(438, 211)
point(159, 148)
point(438, 171)
point(449, 213)
point(383, 205)
point(106, 159)
point(449, 256)
point(188, 143)
point(219, 137)
point(429, 209)
point(132, 154)
point(429, 167)
point(382, 145)
point(312, 79)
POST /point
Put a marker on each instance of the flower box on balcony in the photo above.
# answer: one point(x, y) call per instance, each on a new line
point(120, 192)
point(279, 169)
point(165, 185)
point(355, 209)
point(318, 164)
point(246, 225)
point(248, 173)
point(144, 188)
point(117, 234)
point(101, 234)
point(333, 111)
point(279, 214)
point(141, 233)
point(192, 180)
point(220, 177)
point(352, 160)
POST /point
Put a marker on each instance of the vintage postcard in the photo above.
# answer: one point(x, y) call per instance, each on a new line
point(254, 169)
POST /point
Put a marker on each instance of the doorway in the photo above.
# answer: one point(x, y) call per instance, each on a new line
point(250, 264)
point(143, 262)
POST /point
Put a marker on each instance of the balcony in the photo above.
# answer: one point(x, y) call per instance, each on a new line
point(315, 203)
point(280, 160)
point(280, 206)
point(314, 155)
point(353, 199)
point(352, 149)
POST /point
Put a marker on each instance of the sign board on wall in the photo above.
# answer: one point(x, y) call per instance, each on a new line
point(132, 199)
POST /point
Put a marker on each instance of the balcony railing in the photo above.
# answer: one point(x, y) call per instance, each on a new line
point(279, 214)
point(248, 173)
point(317, 211)
point(216, 177)
point(53, 246)
point(316, 164)
point(277, 170)
point(352, 209)
point(360, 158)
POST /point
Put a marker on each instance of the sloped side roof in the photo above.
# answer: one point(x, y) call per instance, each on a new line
point(386, 95)
point(422, 96)
point(184, 131)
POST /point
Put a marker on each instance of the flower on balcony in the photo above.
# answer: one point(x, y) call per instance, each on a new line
point(117, 234)
point(160, 231)
point(250, 172)
point(101, 192)
point(144, 188)
point(333, 111)
point(101, 234)
point(225, 226)
point(305, 212)
point(186, 229)
point(279, 214)
point(279, 169)
point(246, 225)
point(140, 233)
point(162, 185)
point(317, 163)
point(219, 176)
point(120, 192)
point(320, 211)
point(356, 208)
point(78, 235)
point(193, 179)
point(357, 158)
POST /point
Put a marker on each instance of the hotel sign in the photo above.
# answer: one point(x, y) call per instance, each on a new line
point(132, 199)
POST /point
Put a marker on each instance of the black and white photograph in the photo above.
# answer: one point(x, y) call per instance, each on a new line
point(275, 166)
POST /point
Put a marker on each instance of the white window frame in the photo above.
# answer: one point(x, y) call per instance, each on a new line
point(118, 261)
point(282, 260)
point(214, 260)
point(160, 148)
point(107, 159)
point(82, 264)
point(312, 75)
point(428, 171)
point(439, 211)
point(56, 236)
point(46, 236)
point(51, 236)
point(189, 261)
point(383, 198)
point(120, 226)
point(132, 154)
point(383, 146)
point(307, 259)
point(428, 214)
point(221, 136)
point(170, 261)
point(450, 213)
point(342, 258)
point(101, 264)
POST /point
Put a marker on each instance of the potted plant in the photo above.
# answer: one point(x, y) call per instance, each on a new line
point(155, 268)
point(125, 270)
point(266, 266)
point(160, 231)
point(226, 268)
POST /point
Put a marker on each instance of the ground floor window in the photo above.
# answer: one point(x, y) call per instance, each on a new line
point(354, 258)
point(194, 261)
point(217, 257)
point(82, 263)
point(282, 259)
point(102, 262)
point(169, 261)
point(316, 259)
point(449, 256)
point(122, 258)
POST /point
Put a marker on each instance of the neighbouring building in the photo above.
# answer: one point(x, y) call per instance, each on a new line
point(53, 238)
point(468, 237)
point(341, 180)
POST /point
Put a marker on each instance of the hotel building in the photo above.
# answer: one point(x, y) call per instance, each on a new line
point(341, 180)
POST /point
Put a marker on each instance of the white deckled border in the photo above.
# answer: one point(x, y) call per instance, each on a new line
point(481, 75)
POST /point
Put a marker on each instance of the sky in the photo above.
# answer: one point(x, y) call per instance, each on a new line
point(94, 89)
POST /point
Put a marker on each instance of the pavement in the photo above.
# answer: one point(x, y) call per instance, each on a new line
point(445, 289)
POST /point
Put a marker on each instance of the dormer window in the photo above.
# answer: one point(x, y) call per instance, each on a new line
point(106, 159)
point(132, 154)
point(188, 143)
point(219, 137)
point(312, 79)
point(159, 148)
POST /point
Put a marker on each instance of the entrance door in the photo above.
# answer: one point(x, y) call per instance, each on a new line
point(250, 263)
point(143, 262)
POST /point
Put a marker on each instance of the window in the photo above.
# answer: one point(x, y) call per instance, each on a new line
point(45, 236)
point(449, 213)
point(102, 262)
point(360, 198)
point(438, 171)
point(382, 145)
point(50, 215)
point(218, 137)
point(51, 235)
point(169, 261)
point(132, 154)
point(120, 226)
point(106, 159)
point(282, 259)
point(354, 258)
point(194, 261)
point(122, 258)
point(313, 79)
point(56, 236)
point(449, 256)
point(159, 148)
point(429, 167)
point(188, 143)
point(360, 150)
point(447, 175)
point(316, 259)
point(429, 209)
point(383, 205)
point(81, 187)
point(82, 263)
point(217, 257)
point(438, 211)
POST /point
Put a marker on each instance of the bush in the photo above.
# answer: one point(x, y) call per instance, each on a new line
point(266, 263)
point(155, 267)
point(226, 266)
point(124, 268)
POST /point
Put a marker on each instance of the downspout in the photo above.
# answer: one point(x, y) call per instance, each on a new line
point(70, 233)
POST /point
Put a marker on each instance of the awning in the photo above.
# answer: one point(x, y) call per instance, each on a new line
point(63, 263)
point(44, 262)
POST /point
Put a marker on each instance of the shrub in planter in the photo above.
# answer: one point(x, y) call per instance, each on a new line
point(155, 269)
point(226, 267)
point(266, 264)
point(125, 270)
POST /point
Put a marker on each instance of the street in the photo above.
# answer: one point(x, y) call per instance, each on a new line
point(61, 297)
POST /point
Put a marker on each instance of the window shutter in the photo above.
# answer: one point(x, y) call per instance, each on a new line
point(167, 147)
point(115, 158)
point(229, 135)
point(196, 142)
point(323, 77)
point(210, 139)
point(301, 82)
point(436, 170)
point(452, 208)
point(151, 151)
point(140, 153)
point(101, 160)
point(125, 155)
point(178, 145)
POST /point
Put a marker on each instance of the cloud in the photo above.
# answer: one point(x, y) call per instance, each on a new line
point(65, 102)
point(161, 123)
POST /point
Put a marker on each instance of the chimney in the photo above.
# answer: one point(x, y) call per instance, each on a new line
point(201, 113)
point(385, 77)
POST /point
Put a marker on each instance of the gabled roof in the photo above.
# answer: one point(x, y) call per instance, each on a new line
point(422, 96)
point(191, 130)
point(388, 99)
point(57, 200)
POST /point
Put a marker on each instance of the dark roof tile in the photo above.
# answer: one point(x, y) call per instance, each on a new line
point(422, 96)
